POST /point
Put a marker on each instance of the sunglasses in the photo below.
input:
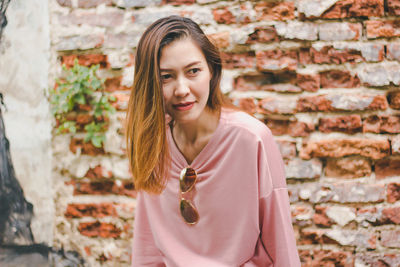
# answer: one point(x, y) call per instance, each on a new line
point(187, 181)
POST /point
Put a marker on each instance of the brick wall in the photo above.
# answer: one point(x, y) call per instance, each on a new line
point(323, 75)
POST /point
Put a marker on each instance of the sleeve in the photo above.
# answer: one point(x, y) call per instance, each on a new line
point(144, 250)
point(277, 235)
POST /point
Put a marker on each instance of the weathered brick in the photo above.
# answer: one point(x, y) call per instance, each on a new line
point(394, 99)
point(341, 215)
point(382, 124)
point(380, 74)
point(178, 2)
point(380, 28)
point(79, 42)
point(85, 60)
point(135, 3)
point(297, 30)
point(104, 187)
point(109, 19)
point(287, 148)
point(387, 167)
point(320, 218)
point(394, 7)
point(341, 102)
point(278, 127)
point(90, 210)
point(121, 102)
point(336, 148)
point(281, 87)
point(246, 104)
point(339, 31)
point(114, 84)
point(98, 172)
point(252, 82)
point(223, 16)
point(220, 39)
point(277, 60)
point(355, 238)
point(390, 238)
point(274, 10)
point(369, 215)
point(348, 167)
point(85, 148)
point(333, 258)
point(338, 79)
point(393, 192)
point(308, 82)
point(355, 8)
point(330, 55)
point(263, 35)
point(303, 169)
point(393, 51)
point(395, 143)
point(93, 3)
point(99, 229)
point(275, 105)
point(391, 215)
point(348, 124)
point(234, 60)
point(353, 192)
point(377, 259)
point(66, 3)
point(314, 8)
point(301, 214)
point(311, 236)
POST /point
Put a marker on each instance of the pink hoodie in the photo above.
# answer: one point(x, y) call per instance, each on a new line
point(241, 197)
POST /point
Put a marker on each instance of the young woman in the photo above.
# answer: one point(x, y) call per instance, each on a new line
point(210, 179)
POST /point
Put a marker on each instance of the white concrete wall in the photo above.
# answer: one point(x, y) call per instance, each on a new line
point(24, 70)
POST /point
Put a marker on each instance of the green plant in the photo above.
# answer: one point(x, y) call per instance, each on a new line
point(81, 90)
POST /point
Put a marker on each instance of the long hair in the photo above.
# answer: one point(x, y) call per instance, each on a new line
point(146, 139)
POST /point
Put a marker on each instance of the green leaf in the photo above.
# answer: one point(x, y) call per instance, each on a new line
point(97, 141)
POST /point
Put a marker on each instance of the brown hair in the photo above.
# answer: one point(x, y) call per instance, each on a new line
point(146, 139)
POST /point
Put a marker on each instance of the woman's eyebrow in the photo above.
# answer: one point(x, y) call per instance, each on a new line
point(187, 66)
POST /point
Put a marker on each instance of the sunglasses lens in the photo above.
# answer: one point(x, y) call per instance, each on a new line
point(189, 212)
point(187, 179)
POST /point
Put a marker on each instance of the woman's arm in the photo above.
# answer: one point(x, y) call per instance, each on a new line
point(144, 250)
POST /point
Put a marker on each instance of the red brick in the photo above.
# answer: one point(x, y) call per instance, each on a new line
point(382, 124)
point(394, 7)
point(301, 215)
point(387, 167)
point(263, 35)
point(393, 192)
point(333, 258)
point(378, 259)
point(276, 60)
point(348, 124)
point(391, 215)
point(97, 173)
point(287, 149)
point(252, 82)
point(311, 236)
point(276, 105)
point(99, 229)
point(338, 79)
point(394, 99)
point(90, 210)
point(314, 103)
point(390, 238)
point(223, 16)
point(393, 51)
point(336, 148)
point(86, 148)
point(306, 258)
point(275, 10)
point(114, 84)
point(348, 167)
point(243, 60)
point(304, 56)
point(220, 39)
point(246, 104)
point(93, 3)
point(308, 82)
point(292, 128)
point(379, 28)
point(86, 60)
point(121, 102)
point(355, 8)
point(330, 55)
point(320, 217)
point(104, 187)
point(66, 3)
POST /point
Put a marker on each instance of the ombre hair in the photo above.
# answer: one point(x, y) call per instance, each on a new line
point(146, 138)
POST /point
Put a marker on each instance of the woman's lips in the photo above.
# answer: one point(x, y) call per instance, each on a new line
point(183, 106)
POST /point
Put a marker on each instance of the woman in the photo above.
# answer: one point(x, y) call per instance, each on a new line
point(210, 179)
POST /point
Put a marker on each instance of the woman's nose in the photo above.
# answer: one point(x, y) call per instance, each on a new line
point(182, 88)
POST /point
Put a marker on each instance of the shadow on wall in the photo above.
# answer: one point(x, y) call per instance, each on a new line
point(17, 245)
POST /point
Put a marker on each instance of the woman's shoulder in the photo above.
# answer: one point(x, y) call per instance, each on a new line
point(242, 122)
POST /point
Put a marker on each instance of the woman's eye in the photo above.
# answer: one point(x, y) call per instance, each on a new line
point(166, 76)
point(194, 70)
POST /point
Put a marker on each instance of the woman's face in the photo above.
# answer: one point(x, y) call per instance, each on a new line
point(185, 80)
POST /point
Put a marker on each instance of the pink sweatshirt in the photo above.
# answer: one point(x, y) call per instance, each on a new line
point(241, 198)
